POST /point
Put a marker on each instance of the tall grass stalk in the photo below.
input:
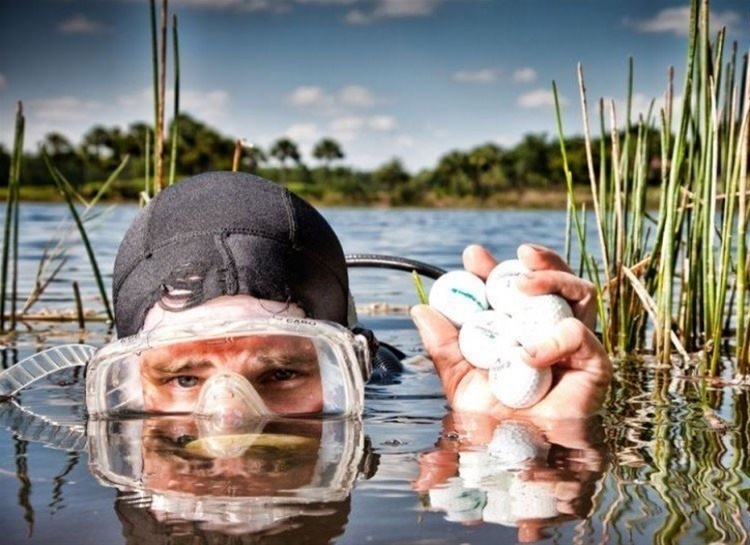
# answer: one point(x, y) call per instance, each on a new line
point(157, 93)
point(10, 231)
point(679, 269)
point(57, 254)
point(175, 124)
point(64, 187)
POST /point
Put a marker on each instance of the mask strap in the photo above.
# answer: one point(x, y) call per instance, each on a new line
point(29, 370)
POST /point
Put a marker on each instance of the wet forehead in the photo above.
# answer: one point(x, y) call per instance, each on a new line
point(288, 348)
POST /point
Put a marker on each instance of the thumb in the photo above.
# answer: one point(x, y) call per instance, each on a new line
point(440, 339)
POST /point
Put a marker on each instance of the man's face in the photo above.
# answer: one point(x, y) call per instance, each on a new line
point(283, 369)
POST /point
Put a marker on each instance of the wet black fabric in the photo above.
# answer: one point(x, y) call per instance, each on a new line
point(228, 233)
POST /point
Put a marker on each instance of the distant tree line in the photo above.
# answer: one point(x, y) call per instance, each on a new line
point(477, 173)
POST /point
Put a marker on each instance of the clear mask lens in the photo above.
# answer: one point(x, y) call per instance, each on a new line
point(232, 371)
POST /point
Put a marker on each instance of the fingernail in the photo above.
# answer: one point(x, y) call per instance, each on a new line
point(531, 350)
point(416, 318)
point(536, 247)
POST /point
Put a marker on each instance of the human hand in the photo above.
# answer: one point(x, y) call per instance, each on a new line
point(581, 368)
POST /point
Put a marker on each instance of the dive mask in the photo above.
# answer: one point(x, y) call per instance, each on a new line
point(232, 370)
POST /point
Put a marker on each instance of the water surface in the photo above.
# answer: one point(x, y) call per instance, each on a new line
point(656, 467)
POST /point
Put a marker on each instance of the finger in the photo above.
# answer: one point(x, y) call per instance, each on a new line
point(536, 258)
point(440, 339)
point(580, 293)
point(570, 344)
point(478, 260)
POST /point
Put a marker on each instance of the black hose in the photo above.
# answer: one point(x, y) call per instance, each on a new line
point(393, 262)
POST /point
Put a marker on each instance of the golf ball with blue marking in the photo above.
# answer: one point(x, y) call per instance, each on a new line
point(457, 295)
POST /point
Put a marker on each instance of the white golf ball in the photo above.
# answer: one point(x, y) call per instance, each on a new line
point(501, 285)
point(484, 336)
point(515, 383)
point(533, 500)
point(535, 316)
point(460, 504)
point(457, 295)
point(514, 444)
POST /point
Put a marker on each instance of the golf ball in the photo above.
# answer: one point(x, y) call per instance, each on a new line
point(514, 444)
point(501, 285)
point(515, 383)
point(457, 295)
point(484, 336)
point(535, 316)
point(460, 504)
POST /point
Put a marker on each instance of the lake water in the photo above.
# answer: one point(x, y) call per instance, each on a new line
point(666, 462)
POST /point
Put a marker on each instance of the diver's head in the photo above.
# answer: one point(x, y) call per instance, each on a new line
point(231, 301)
point(227, 234)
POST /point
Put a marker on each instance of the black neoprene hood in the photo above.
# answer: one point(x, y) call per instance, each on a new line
point(228, 233)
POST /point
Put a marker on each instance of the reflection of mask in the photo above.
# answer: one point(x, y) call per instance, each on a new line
point(182, 469)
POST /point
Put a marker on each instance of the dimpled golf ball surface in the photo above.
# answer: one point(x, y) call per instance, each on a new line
point(484, 336)
point(515, 444)
point(457, 295)
point(501, 285)
point(516, 384)
point(534, 317)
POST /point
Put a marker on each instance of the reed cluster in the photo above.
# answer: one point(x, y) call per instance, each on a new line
point(675, 280)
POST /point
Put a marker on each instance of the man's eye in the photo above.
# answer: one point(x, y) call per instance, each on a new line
point(186, 381)
point(284, 374)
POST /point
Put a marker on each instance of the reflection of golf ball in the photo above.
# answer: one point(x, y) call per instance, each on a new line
point(516, 384)
point(524, 500)
point(514, 444)
point(457, 295)
point(535, 316)
point(460, 504)
point(484, 336)
point(501, 285)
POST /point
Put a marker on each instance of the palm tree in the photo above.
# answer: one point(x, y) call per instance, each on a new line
point(284, 149)
point(327, 150)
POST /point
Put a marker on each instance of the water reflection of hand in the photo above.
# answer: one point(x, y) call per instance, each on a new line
point(581, 368)
point(475, 474)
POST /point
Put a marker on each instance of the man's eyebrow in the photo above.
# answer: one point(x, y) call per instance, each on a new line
point(288, 360)
point(173, 366)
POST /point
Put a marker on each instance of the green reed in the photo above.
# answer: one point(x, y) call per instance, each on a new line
point(176, 116)
point(54, 257)
point(10, 231)
point(68, 193)
point(684, 270)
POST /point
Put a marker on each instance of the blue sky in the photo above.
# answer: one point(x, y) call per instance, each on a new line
point(387, 78)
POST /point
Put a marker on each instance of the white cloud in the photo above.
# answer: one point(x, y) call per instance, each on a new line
point(540, 98)
point(80, 24)
point(331, 102)
point(3, 81)
point(275, 6)
point(303, 133)
point(349, 128)
point(405, 141)
point(382, 123)
point(392, 9)
point(524, 75)
point(63, 109)
point(357, 95)
point(308, 96)
point(486, 75)
point(349, 124)
point(676, 21)
point(208, 106)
